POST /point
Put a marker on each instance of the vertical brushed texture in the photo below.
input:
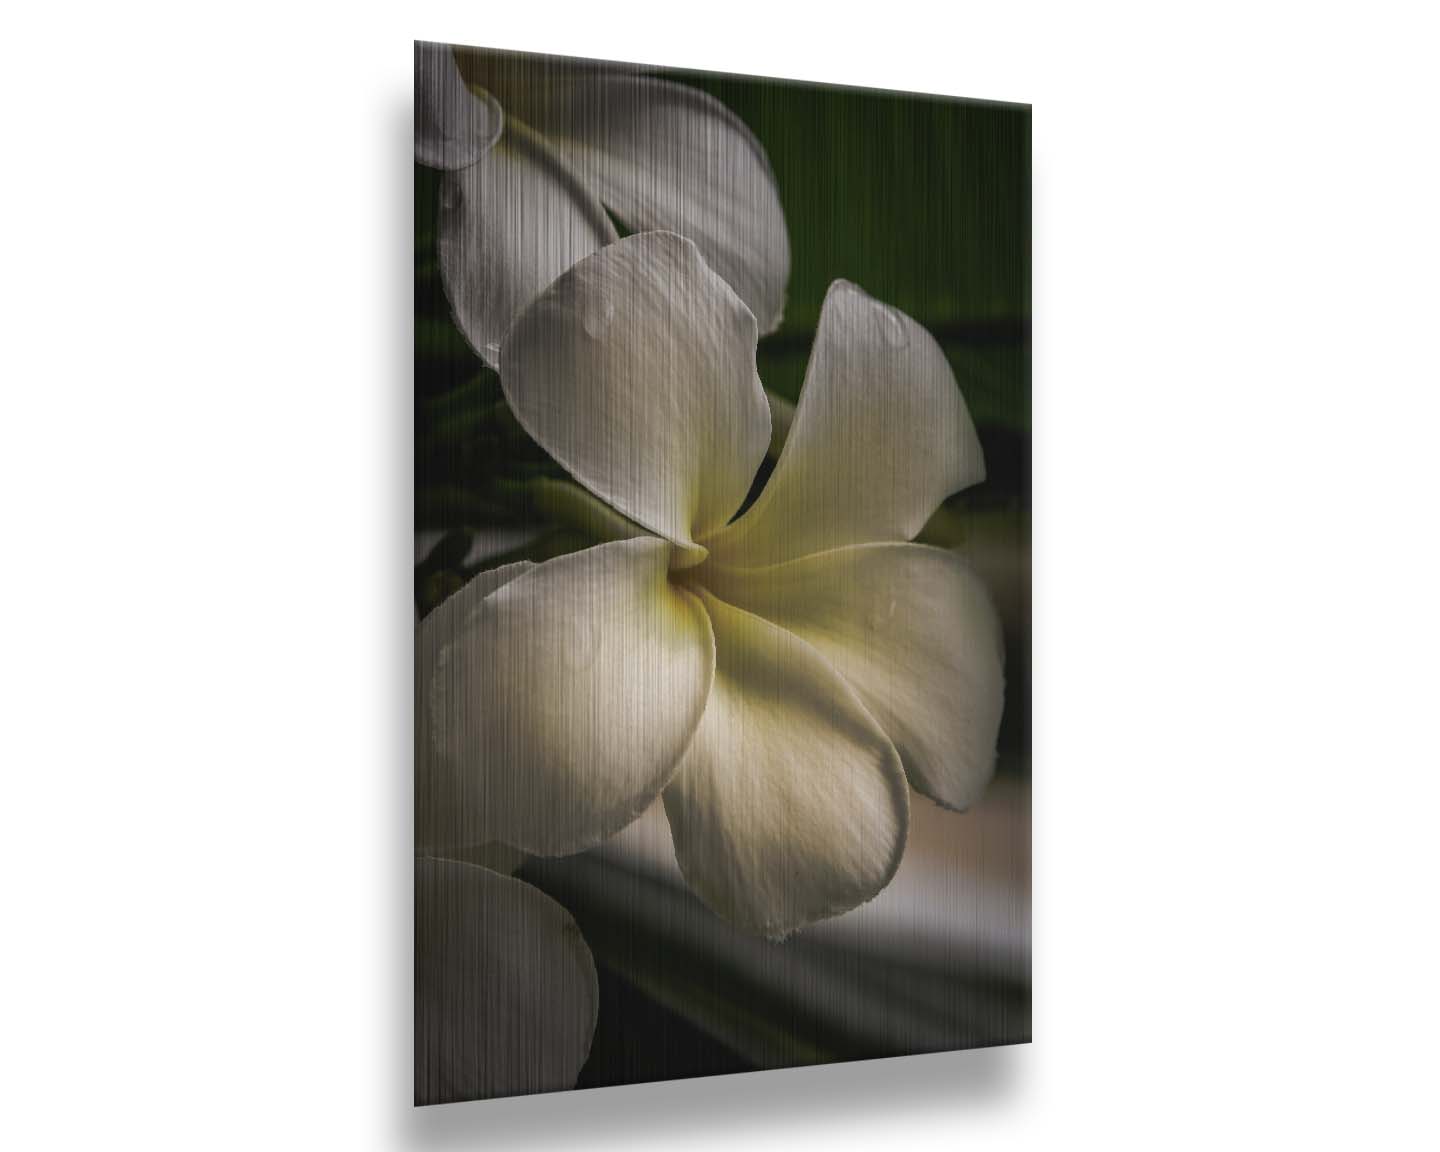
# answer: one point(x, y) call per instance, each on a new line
point(604, 966)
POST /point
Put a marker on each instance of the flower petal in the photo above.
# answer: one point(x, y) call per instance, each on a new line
point(662, 156)
point(914, 632)
point(636, 371)
point(453, 126)
point(790, 804)
point(509, 224)
point(447, 620)
point(880, 437)
point(452, 616)
point(561, 706)
point(506, 995)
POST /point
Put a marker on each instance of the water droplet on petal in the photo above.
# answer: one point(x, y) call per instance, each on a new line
point(881, 614)
point(597, 317)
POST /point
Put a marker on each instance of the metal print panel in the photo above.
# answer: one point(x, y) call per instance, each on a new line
point(722, 511)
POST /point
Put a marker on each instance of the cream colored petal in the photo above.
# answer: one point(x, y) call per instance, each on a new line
point(447, 621)
point(454, 126)
point(561, 707)
point(880, 437)
point(506, 995)
point(509, 224)
point(636, 371)
point(790, 804)
point(451, 617)
point(914, 632)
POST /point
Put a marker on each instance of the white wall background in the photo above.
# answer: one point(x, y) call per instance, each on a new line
point(204, 460)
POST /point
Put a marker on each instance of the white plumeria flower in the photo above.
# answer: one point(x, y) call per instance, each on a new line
point(776, 678)
point(536, 148)
point(506, 994)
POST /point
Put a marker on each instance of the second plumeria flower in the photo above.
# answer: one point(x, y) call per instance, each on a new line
point(535, 149)
point(776, 676)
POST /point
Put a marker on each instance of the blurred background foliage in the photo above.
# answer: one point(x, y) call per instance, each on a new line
point(925, 203)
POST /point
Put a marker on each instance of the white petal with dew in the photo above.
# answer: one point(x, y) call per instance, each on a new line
point(636, 371)
point(913, 630)
point(561, 708)
point(446, 621)
point(509, 224)
point(880, 437)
